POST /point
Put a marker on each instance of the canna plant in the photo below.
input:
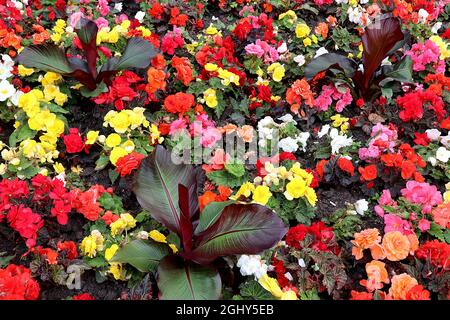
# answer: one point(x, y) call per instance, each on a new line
point(380, 39)
point(50, 57)
point(169, 193)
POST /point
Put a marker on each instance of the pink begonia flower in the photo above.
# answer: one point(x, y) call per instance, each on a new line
point(103, 7)
point(210, 136)
point(422, 193)
point(205, 121)
point(424, 54)
point(101, 23)
point(329, 94)
point(122, 18)
point(74, 18)
point(177, 126)
point(171, 41)
point(424, 225)
point(384, 200)
point(246, 9)
point(396, 223)
point(217, 161)
point(254, 49)
point(368, 153)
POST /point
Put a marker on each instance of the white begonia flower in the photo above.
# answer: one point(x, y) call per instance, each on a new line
point(14, 99)
point(287, 118)
point(339, 141)
point(354, 15)
point(324, 131)
point(432, 160)
point(118, 6)
point(301, 263)
point(283, 48)
point(423, 15)
point(386, 62)
point(288, 276)
point(300, 60)
point(436, 27)
point(363, 1)
point(302, 138)
point(442, 154)
point(445, 140)
point(361, 206)
point(433, 134)
point(252, 265)
point(7, 90)
point(7, 61)
point(288, 144)
point(139, 16)
point(320, 52)
point(5, 71)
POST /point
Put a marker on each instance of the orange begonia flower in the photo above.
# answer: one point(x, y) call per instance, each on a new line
point(396, 246)
point(401, 284)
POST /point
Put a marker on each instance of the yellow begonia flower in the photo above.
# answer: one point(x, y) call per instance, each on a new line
point(261, 195)
point(23, 71)
point(302, 30)
point(117, 271)
point(307, 42)
point(157, 236)
point(290, 14)
point(211, 30)
point(277, 71)
point(311, 196)
point(338, 120)
point(88, 247)
point(210, 98)
point(91, 137)
point(245, 190)
point(271, 285)
point(445, 53)
point(211, 67)
point(295, 189)
point(128, 146)
point(116, 154)
point(173, 247)
point(113, 140)
point(125, 222)
point(58, 167)
point(111, 251)
point(228, 77)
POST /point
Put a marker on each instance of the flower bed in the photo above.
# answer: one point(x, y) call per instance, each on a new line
point(225, 150)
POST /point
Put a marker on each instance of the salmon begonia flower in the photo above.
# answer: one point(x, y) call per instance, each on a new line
point(401, 285)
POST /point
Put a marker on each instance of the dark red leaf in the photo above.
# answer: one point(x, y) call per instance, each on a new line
point(185, 218)
point(378, 39)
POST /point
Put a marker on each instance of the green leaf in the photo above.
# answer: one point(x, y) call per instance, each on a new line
point(210, 214)
point(20, 134)
point(156, 187)
point(138, 54)
point(4, 260)
point(101, 88)
point(47, 57)
point(235, 168)
point(240, 229)
point(327, 61)
point(182, 280)
point(56, 109)
point(402, 72)
point(436, 231)
point(254, 291)
point(224, 178)
point(143, 255)
point(101, 162)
